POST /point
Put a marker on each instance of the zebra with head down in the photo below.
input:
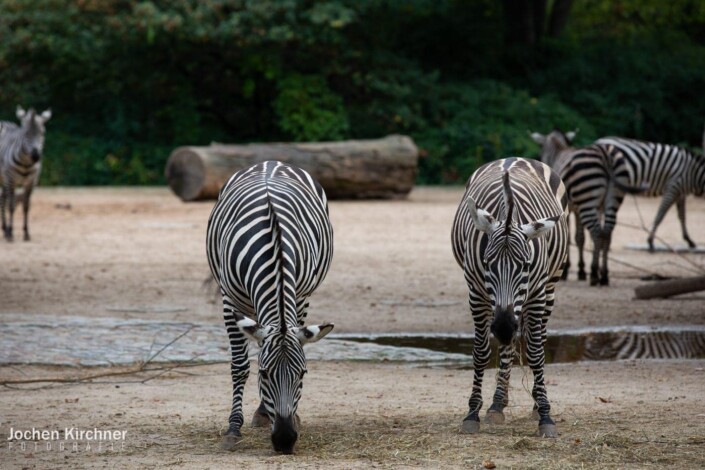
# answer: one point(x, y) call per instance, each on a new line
point(269, 245)
point(21, 150)
point(510, 237)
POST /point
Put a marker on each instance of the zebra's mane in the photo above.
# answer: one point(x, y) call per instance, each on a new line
point(508, 202)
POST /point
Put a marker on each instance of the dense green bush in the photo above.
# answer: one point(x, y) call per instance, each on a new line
point(129, 81)
point(478, 122)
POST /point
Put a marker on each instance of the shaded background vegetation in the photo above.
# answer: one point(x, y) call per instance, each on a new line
point(129, 80)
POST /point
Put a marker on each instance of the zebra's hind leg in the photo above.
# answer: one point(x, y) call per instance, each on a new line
point(495, 414)
point(580, 243)
point(680, 205)
point(596, 235)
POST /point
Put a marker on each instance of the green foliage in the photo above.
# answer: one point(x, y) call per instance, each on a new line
point(129, 81)
point(484, 120)
point(308, 110)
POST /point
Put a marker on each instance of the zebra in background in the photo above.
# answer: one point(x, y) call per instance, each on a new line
point(269, 245)
point(510, 237)
point(20, 163)
point(587, 175)
point(663, 170)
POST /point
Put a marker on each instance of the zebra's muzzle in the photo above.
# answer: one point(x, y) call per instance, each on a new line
point(504, 326)
point(284, 435)
point(35, 155)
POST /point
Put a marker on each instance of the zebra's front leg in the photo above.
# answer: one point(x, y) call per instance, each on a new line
point(9, 204)
point(495, 414)
point(261, 419)
point(25, 211)
point(239, 371)
point(480, 359)
point(536, 360)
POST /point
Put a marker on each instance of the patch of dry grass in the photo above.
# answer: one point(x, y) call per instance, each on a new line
point(434, 441)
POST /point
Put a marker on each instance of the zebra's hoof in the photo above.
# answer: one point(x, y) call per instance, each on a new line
point(470, 426)
point(582, 276)
point(548, 430)
point(260, 420)
point(231, 440)
point(494, 417)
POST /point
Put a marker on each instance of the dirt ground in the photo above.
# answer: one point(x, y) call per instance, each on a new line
point(139, 253)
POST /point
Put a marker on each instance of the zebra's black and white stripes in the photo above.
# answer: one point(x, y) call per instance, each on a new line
point(510, 237)
point(21, 150)
point(590, 184)
point(660, 169)
point(269, 246)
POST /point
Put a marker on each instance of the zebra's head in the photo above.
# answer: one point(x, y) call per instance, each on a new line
point(33, 130)
point(282, 366)
point(553, 144)
point(507, 261)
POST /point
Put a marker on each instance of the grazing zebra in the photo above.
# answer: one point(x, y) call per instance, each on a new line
point(510, 237)
point(661, 169)
point(20, 163)
point(269, 244)
point(587, 175)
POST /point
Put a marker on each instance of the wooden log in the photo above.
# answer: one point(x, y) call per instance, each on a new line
point(670, 288)
point(355, 169)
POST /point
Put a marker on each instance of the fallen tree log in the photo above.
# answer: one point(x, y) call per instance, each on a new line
point(355, 169)
point(670, 288)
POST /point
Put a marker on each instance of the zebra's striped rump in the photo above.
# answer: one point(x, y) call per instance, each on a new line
point(269, 245)
point(510, 237)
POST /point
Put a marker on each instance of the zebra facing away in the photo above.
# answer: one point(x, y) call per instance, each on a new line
point(269, 245)
point(20, 164)
point(588, 177)
point(663, 170)
point(510, 237)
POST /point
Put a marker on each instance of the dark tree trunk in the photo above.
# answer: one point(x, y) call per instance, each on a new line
point(519, 22)
point(559, 17)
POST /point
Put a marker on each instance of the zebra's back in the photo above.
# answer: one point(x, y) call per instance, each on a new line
point(269, 215)
point(651, 165)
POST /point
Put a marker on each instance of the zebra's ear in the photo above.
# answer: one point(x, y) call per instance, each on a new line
point(252, 329)
point(46, 115)
point(539, 228)
point(570, 135)
point(482, 219)
point(311, 334)
point(538, 138)
point(20, 112)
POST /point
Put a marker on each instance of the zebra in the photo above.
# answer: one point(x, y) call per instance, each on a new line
point(662, 170)
point(20, 163)
point(269, 245)
point(509, 236)
point(588, 176)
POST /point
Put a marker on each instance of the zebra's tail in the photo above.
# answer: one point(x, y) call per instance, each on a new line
point(614, 180)
point(630, 189)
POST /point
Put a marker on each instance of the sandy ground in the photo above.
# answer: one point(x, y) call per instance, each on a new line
point(139, 253)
